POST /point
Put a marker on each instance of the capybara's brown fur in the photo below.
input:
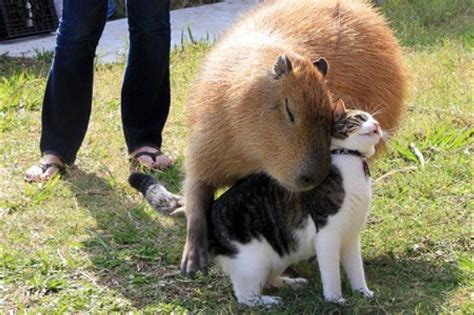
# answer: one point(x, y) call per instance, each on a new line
point(238, 119)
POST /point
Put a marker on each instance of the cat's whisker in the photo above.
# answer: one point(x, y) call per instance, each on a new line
point(291, 193)
point(388, 134)
point(378, 110)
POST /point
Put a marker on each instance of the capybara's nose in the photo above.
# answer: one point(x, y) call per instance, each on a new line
point(307, 181)
point(312, 175)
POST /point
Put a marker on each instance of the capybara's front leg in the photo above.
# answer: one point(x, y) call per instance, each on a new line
point(198, 200)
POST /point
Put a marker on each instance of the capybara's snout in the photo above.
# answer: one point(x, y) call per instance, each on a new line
point(313, 172)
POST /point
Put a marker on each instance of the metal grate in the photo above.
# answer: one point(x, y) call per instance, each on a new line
point(26, 17)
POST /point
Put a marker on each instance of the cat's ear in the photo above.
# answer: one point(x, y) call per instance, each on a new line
point(282, 67)
point(339, 110)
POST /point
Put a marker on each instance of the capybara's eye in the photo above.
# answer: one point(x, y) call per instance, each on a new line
point(290, 114)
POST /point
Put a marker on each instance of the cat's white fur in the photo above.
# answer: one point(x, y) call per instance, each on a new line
point(257, 264)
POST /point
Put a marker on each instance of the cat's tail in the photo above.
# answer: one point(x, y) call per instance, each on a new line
point(157, 195)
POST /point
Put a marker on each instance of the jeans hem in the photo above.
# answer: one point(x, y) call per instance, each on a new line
point(145, 144)
point(59, 156)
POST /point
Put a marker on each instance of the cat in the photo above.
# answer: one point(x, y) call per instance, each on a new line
point(258, 228)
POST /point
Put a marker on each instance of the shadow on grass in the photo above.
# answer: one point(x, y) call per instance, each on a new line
point(134, 251)
point(13, 66)
point(409, 283)
point(400, 285)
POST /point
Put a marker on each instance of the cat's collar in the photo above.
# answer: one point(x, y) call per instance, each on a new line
point(365, 165)
point(348, 152)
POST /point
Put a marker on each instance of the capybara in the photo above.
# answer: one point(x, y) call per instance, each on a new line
point(262, 100)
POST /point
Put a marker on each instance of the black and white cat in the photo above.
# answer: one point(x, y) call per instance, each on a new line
point(258, 228)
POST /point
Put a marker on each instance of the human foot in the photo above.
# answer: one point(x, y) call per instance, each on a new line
point(150, 157)
point(48, 167)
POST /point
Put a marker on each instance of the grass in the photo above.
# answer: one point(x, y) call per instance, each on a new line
point(89, 243)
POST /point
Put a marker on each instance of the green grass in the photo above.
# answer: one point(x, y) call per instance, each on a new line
point(89, 243)
point(423, 23)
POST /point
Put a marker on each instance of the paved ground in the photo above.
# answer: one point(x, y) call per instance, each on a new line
point(204, 22)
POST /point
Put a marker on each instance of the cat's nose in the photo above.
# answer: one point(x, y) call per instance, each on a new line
point(379, 129)
point(376, 128)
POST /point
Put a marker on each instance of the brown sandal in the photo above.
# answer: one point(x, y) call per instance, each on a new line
point(46, 166)
point(137, 165)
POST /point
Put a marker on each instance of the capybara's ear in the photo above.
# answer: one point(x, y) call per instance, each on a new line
point(282, 66)
point(322, 65)
point(339, 110)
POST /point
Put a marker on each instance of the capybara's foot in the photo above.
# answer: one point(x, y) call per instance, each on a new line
point(194, 258)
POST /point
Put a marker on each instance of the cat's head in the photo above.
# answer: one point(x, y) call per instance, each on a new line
point(355, 130)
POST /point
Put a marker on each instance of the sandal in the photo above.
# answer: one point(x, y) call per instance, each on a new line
point(61, 170)
point(139, 165)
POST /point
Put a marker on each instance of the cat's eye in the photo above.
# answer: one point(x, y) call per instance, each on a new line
point(361, 117)
point(291, 117)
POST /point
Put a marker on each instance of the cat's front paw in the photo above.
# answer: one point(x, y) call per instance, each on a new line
point(271, 300)
point(294, 283)
point(337, 299)
point(261, 300)
point(366, 292)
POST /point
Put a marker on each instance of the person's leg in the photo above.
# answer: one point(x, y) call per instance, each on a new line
point(146, 86)
point(68, 96)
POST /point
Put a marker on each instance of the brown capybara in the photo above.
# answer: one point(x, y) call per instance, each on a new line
point(262, 101)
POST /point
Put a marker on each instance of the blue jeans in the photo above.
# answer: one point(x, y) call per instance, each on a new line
point(145, 95)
